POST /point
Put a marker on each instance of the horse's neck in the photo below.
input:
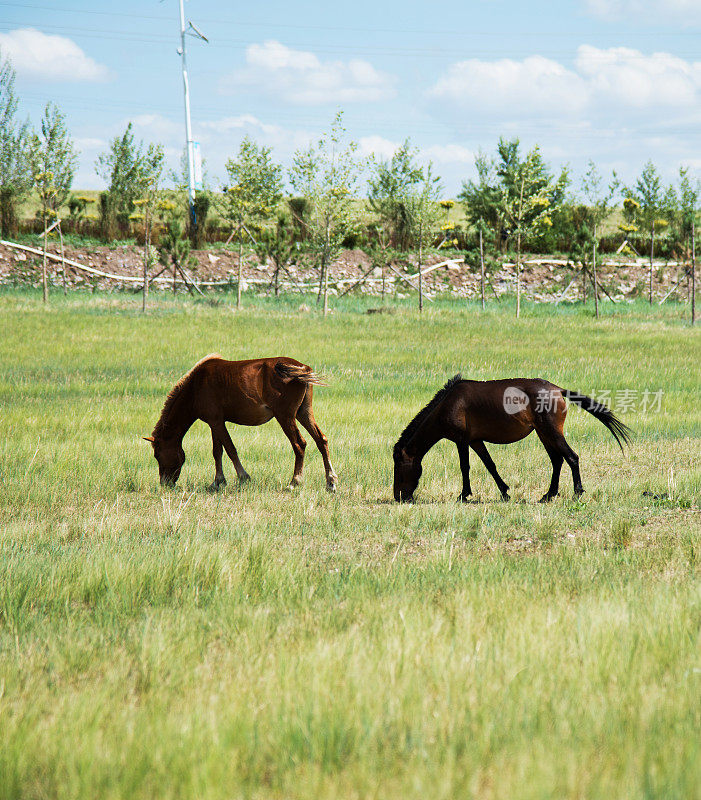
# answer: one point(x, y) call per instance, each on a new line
point(425, 437)
point(179, 417)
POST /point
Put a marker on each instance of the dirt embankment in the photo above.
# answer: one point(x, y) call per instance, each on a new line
point(543, 278)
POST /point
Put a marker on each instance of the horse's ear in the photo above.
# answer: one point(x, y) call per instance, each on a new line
point(148, 439)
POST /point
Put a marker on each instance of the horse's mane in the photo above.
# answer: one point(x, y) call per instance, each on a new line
point(419, 419)
point(162, 424)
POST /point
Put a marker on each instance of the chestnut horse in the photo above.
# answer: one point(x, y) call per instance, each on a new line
point(246, 393)
point(471, 413)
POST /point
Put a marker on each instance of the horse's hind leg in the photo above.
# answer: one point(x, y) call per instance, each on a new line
point(290, 429)
point(222, 435)
point(483, 453)
point(305, 415)
point(557, 448)
point(556, 458)
point(217, 450)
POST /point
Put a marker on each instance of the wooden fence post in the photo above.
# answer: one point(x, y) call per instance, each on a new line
point(421, 285)
point(596, 288)
point(482, 264)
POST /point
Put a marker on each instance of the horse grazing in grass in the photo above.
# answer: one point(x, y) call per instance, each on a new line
point(471, 413)
point(244, 392)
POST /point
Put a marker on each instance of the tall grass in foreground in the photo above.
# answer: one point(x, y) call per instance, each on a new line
point(264, 644)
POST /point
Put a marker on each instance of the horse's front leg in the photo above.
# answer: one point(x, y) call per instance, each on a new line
point(217, 451)
point(464, 454)
point(220, 433)
point(481, 450)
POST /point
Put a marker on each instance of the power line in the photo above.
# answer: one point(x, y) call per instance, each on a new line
point(422, 52)
point(268, 24)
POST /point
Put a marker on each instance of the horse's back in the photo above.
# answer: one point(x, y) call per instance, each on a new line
point(245, 392)
point(504, 410)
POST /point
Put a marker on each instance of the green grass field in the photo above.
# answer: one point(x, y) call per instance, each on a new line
point(267, 644)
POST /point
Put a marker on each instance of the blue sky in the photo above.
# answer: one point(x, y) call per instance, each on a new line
point(617, 81)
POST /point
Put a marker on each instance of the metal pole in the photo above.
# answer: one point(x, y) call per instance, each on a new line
point(188, 124)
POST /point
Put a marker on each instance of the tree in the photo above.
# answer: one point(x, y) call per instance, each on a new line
point(53, 160)
point(174, 248)
point(15, 169)
point(253, 192)
point(326, 174)
point(648, 194)
point(125, 167)
point(528, 196)
point(277, 245)
point(516, 197)
point(404, 195)
point(420, 200)
point(482, 199)
point(388, 185)
point(198, 213)
point(152, 171)
point(680, 208)
point(683, 226)
point(599, 205)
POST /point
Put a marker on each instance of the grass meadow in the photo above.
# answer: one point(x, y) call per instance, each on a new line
point(269, 644)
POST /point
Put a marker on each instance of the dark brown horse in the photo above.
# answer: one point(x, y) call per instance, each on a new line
point(246, 393)
point(471, 413)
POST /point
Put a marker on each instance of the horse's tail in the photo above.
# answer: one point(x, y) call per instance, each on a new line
point(298, 372)
point(620, 432)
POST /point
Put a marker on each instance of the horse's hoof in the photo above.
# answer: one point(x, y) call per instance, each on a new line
point(505, 497)
point(245, 478)
point(547, 498)
point(213, 488)
point(331, 488)
point(463, 498)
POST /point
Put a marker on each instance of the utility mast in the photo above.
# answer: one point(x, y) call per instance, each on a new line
point(194, 164)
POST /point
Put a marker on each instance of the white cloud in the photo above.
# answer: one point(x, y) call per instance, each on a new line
point(377, 146)
point(439, 153)
point(645, 10)
point(224, 135)
point(39, 56)
point(156, 127)
point(244, 122)
point(301, 78)
point(448, 154)
point(623, 76)
point(535, 85)
point(89, 143)
point(605, 83)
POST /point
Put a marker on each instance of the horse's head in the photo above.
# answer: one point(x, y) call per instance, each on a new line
point(170, 457)
point(407, 471)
